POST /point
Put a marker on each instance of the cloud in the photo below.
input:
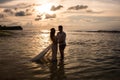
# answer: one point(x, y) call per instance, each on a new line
point(23, 13)
point(39, 17)
point(23, 5)
point(91, 11)
point(78, 7)
point(110, 1)
point(8, 11)
point(19, 5)
point(36, 4)
point(47, 16)
point(54, 8)
point(4, 1)
point(2, 15)
point(20, 13)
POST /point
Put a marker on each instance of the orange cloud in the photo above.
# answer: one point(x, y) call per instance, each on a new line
point(47, 16)
point(78, 7)
point(54, 8)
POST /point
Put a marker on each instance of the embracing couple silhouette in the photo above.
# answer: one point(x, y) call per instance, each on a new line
point(58, 40)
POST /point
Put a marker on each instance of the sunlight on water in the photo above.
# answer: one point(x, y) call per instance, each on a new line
point(45, 38)
point(42, 40)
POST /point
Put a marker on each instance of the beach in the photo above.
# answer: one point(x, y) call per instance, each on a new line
point(88, 56)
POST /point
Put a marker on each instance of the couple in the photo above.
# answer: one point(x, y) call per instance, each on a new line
point(58, 39)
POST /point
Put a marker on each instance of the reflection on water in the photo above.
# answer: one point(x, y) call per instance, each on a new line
point(56, 69)
point(88, 56)
point(57, 72)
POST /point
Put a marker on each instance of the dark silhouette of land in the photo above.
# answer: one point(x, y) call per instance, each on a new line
point(107, 31)
point(11, 28)
point(100, 31)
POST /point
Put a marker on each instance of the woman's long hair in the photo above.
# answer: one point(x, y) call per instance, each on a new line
point(52, 33)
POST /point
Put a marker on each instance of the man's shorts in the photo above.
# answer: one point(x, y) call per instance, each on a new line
point(62, 46)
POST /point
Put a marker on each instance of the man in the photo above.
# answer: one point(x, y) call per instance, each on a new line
point(61, 35)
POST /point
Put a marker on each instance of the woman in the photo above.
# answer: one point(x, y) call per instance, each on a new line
point(54, 44)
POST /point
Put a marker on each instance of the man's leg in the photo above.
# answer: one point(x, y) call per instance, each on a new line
point(61, 48)
point(62, 54)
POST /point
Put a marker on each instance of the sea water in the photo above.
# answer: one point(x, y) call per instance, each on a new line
point(88, 56)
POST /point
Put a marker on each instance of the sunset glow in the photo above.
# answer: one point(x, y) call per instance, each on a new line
point(59, 39)
point(76, 14)
point(45, 8)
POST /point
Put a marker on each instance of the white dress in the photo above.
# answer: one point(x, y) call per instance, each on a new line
point(54, 48)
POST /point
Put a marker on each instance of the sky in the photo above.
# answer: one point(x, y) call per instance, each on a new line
point(73, 14)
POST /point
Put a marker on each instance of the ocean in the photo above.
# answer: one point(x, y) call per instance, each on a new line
point(88, 56)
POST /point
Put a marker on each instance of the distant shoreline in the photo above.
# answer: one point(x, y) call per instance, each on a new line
point(100, 31)
point(11, 28)
point(113, 31)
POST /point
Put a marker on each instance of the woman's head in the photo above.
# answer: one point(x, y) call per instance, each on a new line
point(52, 33)
point(52, 30)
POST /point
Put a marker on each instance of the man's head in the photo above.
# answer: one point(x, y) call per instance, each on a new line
point(60, 27)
